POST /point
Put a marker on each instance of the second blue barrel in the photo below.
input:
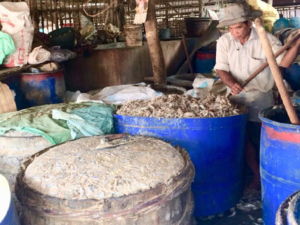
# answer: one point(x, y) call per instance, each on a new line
point(216, 147)
point(43, 88)
point(279, 160)
point(204, 61)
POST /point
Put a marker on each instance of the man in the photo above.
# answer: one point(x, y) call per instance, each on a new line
point(239, 54)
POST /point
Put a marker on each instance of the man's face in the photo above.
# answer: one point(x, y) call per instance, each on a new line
point(240, 30)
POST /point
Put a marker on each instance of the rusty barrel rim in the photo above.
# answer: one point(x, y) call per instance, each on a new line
point(53, 206)
point(42, 73)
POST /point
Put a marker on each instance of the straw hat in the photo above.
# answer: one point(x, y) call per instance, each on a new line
point(7, 102)
point(238, 12)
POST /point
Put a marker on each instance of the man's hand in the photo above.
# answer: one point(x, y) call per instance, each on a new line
point(236, 88)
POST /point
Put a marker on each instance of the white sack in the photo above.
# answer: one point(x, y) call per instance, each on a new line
point(15, 20)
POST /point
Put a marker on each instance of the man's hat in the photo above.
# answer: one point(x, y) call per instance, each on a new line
point(238, 12)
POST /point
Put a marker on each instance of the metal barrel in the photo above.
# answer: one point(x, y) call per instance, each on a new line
point(279, 160)
point(289, 211)
point(43, 88)
point(216, 147)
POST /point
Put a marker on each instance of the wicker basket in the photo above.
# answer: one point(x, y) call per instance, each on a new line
point(7, 102)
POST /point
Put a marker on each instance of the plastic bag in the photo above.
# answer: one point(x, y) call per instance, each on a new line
point(203, 82)
point(60, 55)
point(38, 55)
point(7, 46)
point(16, 21)
point(120, 94)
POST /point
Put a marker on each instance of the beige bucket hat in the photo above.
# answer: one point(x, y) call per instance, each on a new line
point(238, 12)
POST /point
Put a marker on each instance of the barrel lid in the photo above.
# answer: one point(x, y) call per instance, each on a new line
point(102, 167)
point(7, 102)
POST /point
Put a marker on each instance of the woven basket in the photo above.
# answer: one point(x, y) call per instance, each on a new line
point(7, 102)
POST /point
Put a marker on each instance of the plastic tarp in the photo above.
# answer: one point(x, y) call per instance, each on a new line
point(7, 46)
point(59, 123)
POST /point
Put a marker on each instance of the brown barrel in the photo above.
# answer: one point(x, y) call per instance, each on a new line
point(170, 203)
point(16, 147)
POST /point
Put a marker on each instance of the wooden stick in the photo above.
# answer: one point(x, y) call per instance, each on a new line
point(266, 64)
point(187, 54)
point(276, 72)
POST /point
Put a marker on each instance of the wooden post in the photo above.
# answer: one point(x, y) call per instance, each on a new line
point(200, 8)
point(276, 72)
point(155, 50)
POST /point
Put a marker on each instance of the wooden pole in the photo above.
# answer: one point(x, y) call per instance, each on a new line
point(276, 72)
point(187, 55)
point(154, 47)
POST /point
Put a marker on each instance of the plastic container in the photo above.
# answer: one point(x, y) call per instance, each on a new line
point(289, 211)
point(279, 160)
point(292, 76)
point(204, 61)
point(280, 24)
point(164, 33)
point(43, 88)
point(295, 22)
point(216, 147)
point(133, 35)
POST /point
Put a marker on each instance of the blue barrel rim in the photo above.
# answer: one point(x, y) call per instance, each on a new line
point(184, 118)
point(269, 121)
point(43, 73)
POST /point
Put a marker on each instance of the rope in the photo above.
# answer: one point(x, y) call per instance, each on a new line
point(103, 11)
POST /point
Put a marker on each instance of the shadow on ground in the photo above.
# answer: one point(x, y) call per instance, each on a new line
point(247, 212)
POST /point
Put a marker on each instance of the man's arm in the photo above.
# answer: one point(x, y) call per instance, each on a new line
point(290, 56)
point(228, 79)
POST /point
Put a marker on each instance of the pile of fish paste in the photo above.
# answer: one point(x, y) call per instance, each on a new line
point(83, 169)
point(181, 106)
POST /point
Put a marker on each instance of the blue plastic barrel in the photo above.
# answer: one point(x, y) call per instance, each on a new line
point(204, 61)
point(279, 160)
point(8, 213)
point(280, 24)
point(289, 211)
point(43, 88)
point(14, 84)
point(292, 76)
point(216, 147)
point(295, 22)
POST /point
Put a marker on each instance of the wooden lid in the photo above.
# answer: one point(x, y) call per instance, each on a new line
point(7, 102)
